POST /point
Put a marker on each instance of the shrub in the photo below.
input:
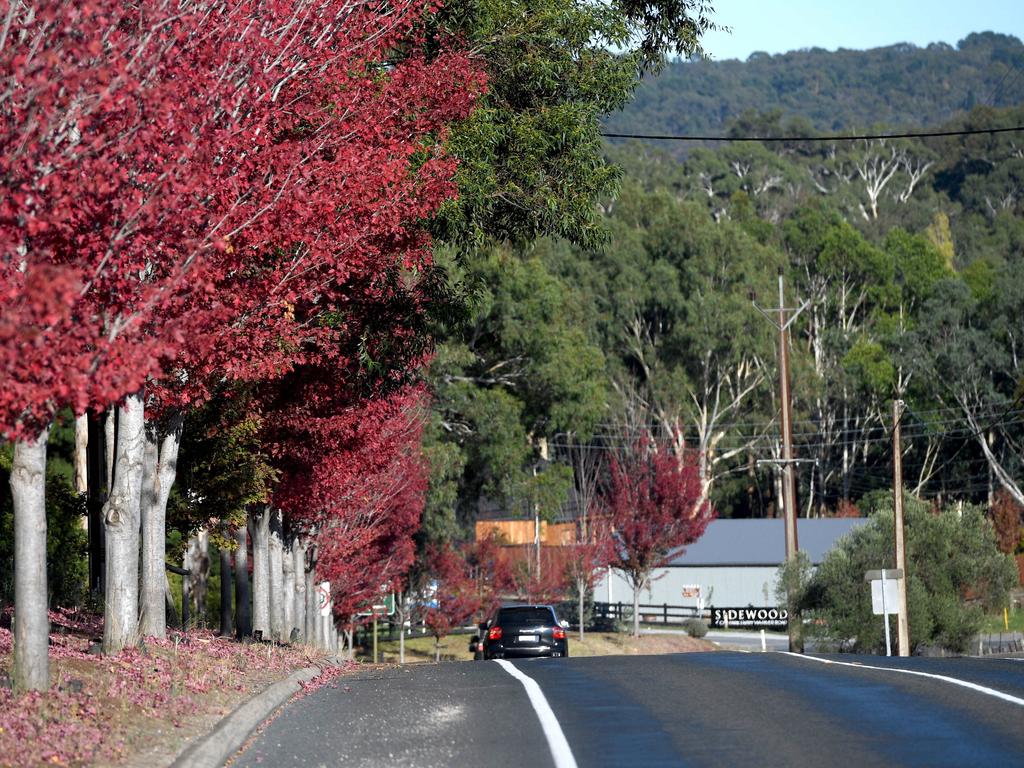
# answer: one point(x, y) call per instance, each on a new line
point(695, 627)
point(955, 572)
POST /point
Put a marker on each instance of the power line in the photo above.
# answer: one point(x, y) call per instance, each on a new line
point(827, 137)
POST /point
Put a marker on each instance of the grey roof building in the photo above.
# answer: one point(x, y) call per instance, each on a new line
point(734, 563)
point(762, 542)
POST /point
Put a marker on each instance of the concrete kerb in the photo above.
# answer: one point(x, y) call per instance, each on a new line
point(213, 749)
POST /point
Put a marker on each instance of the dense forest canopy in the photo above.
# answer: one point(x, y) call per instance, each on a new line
point(908, 251)
point(899, 85)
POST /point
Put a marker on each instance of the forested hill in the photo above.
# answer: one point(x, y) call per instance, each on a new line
point(897, 86)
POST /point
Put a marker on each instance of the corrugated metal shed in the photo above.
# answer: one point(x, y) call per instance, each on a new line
point(762, 542)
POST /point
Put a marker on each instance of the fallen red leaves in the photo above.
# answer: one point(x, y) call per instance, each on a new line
point(101, 708)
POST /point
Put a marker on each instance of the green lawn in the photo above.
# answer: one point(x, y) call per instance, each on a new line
point(994, 624)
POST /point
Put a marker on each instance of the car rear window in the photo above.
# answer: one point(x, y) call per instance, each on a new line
point(508, 616)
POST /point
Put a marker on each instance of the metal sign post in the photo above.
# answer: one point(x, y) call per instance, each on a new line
point(885, 597)
point(885, 621)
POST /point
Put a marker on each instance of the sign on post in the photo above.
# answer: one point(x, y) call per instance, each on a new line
point(693, 592)
point(885, 597)
point(323, 597)
point(885, 602)
point(749, 618)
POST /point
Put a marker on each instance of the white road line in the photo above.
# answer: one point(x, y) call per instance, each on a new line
point(557, 742)
point(946, 679)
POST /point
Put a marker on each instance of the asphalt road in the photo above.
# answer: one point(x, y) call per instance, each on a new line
point(699, 709)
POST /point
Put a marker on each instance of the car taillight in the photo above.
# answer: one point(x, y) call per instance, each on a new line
point(494, 633)
point(558, 633)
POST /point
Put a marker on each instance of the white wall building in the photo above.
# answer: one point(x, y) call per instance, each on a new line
point(735, 564)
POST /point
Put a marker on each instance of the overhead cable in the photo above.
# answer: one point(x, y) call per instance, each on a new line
point(825, 138)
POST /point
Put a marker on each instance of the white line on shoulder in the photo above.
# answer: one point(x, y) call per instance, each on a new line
point(945, 678)
point(557, 742)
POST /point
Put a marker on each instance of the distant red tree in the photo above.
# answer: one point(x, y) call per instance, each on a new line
point(1007, 516)
point(455, 599)
point(846, 508)
point(653, 503)
point(588, 556)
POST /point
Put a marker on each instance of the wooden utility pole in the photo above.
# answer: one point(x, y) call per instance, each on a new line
point(786, 316)
point(901, 548)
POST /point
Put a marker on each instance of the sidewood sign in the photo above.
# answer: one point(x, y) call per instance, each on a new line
point(749, 618)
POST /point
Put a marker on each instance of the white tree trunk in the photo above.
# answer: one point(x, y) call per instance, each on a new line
point(82, 454)
point(288, 591)
point(243, 611)
point(150, 623)
point(299, 595)
point(276, 584)
point(260, 532)
point(121, 524)
point(310, 631)
point(162, 461)
point(200, 575)
point(31, 621)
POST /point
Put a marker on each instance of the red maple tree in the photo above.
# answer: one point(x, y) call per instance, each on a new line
point(653, 503)
point(455, 598)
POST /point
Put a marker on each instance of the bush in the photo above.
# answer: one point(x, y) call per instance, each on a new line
point(955, 573)
point(695, 627)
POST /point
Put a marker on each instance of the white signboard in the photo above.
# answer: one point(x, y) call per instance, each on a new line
point(323, 597)
point(892, 597)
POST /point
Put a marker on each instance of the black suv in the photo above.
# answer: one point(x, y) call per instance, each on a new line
point(521, 630)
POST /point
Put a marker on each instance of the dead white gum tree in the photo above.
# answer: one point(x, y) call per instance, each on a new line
point(259, 530)
point(161, 469)
point(31, 621)
point(121, 525)
point(276, 584)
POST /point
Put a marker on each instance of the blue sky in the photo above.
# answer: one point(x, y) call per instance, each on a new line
point(777, 26)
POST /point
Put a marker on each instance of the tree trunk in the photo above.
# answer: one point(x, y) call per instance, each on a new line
point(288, 590)
point(582, 589)
point(312, 609)
point(637, 586)
point(260, 532)
point(162, 462)
point(226, 629)
point(31, 620)
point(200, 545)
point(349, 638)
point(400, 609)
point(152, 621)
point(243, 613)
point(121, 525)
point(437, 650)
point(82, 454)
point(299, 594)
point(276, 583)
